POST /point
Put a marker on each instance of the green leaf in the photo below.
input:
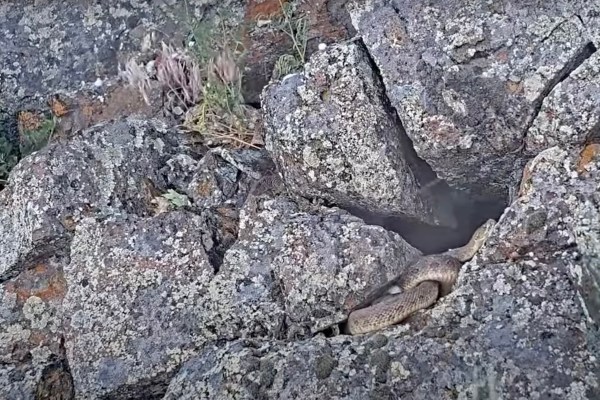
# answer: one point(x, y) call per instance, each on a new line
point(177, 199)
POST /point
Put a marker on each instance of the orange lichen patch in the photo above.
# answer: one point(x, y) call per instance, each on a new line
point(41, 281)
point(587, 155)
point(56, 289)
point(29, 121)
point(259, 9)
point(58, 106)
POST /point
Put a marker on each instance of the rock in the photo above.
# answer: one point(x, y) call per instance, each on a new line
point(468, 80)
point(112, 171)
point(265, 41)
point(511, 329)
point(295, 271)
point(218, 185)
point(108, 168)
point(32, 358)
point(221, 177)
point(129, 309)
point(330, 134)
point(570, 114)
point(54, 47)
point(134, 267)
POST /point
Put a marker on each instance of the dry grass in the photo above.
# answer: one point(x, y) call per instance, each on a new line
point(204, 84)
point(296, 27)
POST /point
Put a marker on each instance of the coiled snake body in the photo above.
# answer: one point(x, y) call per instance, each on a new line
point(419, 287)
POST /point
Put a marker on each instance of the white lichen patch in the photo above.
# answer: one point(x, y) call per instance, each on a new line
point(36, 311)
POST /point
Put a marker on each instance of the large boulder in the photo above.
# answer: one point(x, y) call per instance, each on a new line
point(129, 316)
point(468, 78)
point(525, 327)
point(107, 168)
point(332, 136)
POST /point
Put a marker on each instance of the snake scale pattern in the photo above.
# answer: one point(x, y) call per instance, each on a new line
point(429, 278)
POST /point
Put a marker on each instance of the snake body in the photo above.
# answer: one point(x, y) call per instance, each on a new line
point(429, 278)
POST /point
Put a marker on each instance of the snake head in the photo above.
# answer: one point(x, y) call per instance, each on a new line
point(487, 228)
point(483, 233)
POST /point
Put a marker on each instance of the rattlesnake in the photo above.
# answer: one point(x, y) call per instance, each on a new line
point(419, 287)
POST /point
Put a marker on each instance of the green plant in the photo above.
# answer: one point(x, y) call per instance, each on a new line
point(176, 199)
point(204, 83)
point(8, 159)
point(221, 115)
point(296, 28)
point(34, 140)
point(30, 141)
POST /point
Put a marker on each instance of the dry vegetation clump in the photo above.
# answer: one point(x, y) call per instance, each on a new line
point(201, 86)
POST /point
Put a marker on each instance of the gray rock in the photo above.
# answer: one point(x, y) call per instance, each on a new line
point(115, 171)
point(511, 329)
point(32, 360)
point(108, 168)
point(295, 270)
point(133, 285)
point(468, 79)
point(331, 136)
point(64, 47)
point(221, 177)
point(571, 112)
point(150, 287)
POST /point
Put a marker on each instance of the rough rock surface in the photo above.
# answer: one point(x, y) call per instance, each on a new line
point(468, 79)
point(332, 137)
point(32, 359)
point(221, 177)
point(100, 171)
point(117, 171)
point(570, 115)
point(106, 292)
point(314, 265)
point(520, 329)
point(132, 287)
point(51, 47)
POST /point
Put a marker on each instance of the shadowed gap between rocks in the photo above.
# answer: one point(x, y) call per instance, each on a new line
point(56, 381)
point(469, 213)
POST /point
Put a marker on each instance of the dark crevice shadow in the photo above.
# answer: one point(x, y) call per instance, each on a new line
point(432, 239)
point(467, 212)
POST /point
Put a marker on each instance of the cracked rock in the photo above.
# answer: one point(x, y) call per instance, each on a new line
point(468, 79)
point(303, 268)
point(526, 328)
point(570, 115)
point(331, 136)
point(106, 169)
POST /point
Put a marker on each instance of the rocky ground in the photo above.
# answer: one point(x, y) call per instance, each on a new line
point(139, 262)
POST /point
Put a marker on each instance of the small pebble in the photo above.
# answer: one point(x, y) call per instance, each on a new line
point(322, 46)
